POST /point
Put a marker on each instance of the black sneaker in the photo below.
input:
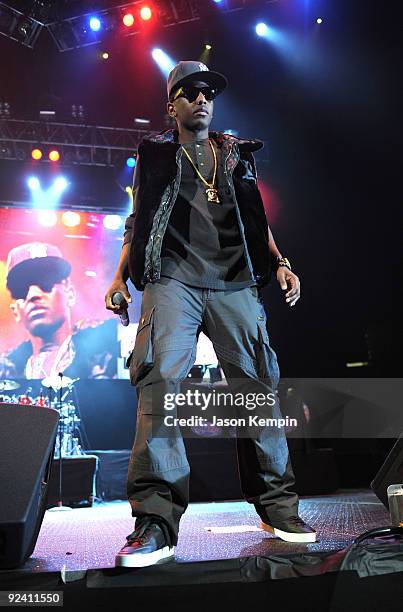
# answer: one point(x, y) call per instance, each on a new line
point(147, 545)
point(292, 529)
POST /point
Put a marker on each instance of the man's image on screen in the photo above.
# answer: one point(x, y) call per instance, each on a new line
point(43, 296)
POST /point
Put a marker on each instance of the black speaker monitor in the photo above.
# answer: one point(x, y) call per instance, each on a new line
point(391, 472)
point(27, 439)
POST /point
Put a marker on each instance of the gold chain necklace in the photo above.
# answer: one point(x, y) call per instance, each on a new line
point(211, 191)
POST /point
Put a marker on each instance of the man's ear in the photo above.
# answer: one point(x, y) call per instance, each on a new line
point(171, 109)
point(16, 311)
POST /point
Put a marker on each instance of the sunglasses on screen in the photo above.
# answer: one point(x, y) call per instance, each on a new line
point(21, 291)
point(191, 92)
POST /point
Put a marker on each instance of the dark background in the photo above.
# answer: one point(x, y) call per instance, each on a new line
point(329, 115)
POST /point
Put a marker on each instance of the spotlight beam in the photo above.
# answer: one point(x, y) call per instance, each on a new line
point(163, 61)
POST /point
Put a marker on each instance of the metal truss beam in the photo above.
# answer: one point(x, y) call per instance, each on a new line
point(22, 28)
point(79, 144)
point(74, 32)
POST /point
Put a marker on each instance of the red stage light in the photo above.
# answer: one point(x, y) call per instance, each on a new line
point(54, 155)
point(146, 13)
point(128, 20)
point(36, 154)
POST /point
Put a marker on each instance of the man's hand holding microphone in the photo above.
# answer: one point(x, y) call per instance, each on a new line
point(117, 299)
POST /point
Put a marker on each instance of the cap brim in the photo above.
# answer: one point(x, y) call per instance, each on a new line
point(32, 270)
point(215, 79)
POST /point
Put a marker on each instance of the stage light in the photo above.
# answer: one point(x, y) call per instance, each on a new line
point(71, 218)
point(319, 20)
point(78, 112)
point(5, 109)
point(112, 222)
point(47, 115)
point(95, 24)
point(130, 162)
point(60, 184)
point(128, 20)
point(261, 29)
point(208, 47)
point(105, 55)
point(54, 155)
point(36, 154)
point(34, 183)
point(48, 218)
point(146, 13)
point(129, 192)
point(163, 60)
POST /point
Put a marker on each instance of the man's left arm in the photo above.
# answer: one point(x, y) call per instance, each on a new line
point(288, 281)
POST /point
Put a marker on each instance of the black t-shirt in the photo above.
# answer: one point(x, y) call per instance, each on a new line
point(202, 244)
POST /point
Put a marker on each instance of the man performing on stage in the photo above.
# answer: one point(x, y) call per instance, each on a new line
point(197, 244)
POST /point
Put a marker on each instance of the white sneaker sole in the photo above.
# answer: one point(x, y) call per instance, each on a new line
point(145, 559)
point(297, 538)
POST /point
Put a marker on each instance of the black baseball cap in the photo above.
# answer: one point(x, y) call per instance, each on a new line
point(28, 263)
point(194, 71)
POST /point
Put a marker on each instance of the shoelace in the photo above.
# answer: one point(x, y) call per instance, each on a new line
point(140, 535)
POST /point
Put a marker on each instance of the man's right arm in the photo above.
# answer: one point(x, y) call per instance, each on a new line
point(119, 282)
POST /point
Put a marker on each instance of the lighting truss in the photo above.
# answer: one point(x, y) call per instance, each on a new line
point(88, 145)
point(18, 26)
point(74, 32)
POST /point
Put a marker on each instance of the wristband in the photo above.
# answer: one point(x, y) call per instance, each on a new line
point(283, 261)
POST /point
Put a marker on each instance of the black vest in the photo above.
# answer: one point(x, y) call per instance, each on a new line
point(158, 168)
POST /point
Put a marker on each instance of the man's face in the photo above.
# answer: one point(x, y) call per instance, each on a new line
point(194, 115)
point(45, 308)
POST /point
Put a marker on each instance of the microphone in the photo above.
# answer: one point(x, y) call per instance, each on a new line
point(119, 300)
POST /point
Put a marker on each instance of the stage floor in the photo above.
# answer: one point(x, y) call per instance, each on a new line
point(88, 538)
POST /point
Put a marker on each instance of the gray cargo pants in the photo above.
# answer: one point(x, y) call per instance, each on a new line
point(172, 315)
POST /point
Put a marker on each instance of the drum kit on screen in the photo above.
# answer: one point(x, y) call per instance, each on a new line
point(54, 392)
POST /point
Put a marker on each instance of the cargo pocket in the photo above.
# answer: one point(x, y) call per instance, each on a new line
point(256, 292)
point(267, 358)
point(141, 359)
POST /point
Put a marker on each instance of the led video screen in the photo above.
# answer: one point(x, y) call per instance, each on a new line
point(54, 269)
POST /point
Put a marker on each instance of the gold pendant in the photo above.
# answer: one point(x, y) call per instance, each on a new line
point(212, 195)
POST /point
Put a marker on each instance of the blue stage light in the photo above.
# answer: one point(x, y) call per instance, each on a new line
point(60, 184)
point(34, 183)
point(261, 29)
point(95, 24)
point(131, 162)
